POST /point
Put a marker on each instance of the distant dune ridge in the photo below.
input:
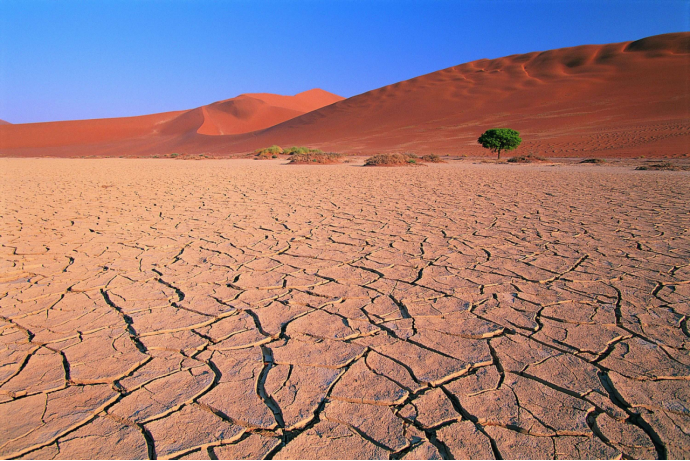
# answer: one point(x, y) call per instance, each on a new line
point(621, 99)
point(247, 113)
point(158, 133)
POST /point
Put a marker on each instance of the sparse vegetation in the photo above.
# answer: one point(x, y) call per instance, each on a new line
point(500, 139)
point(663, 166)
point(593, 160)
point(391, 159)
point(268, 152)
point(302, 150)
point(174, 155)
point(530, 158)
point(432, 158)
point(320, 158)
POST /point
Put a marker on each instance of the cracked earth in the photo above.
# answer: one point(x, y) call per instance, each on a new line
point(247, 310)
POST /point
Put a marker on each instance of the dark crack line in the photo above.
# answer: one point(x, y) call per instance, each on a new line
point(134, 337)
point(260, 388)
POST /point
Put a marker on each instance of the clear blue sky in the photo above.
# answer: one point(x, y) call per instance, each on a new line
point(63, 60)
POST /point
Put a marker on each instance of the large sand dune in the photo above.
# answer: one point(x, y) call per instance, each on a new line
point(617, 99)
point(621, 99)
point(153, 133)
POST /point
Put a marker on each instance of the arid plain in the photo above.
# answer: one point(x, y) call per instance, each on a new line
point(241, 309)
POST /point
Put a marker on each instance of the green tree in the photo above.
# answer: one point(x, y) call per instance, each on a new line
point(500, 139)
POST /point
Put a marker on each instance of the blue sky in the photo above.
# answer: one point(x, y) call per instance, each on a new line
point(65, 60)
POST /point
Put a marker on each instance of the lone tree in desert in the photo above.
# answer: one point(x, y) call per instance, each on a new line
point(500, 139)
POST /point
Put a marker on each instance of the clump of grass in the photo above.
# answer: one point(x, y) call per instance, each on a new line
point(321, 158)
point(268, 152)
point(392, 159)
point(432, 158)
point(174, 155)
point(663, 166)
point(593, 160)
point(530, 158)
point(301, 150)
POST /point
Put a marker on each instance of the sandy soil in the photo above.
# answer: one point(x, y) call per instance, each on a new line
point(243, 309)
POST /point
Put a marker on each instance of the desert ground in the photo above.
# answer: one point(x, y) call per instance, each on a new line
point(241, 309)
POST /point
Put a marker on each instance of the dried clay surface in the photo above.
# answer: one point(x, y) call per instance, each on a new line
point(248, 310)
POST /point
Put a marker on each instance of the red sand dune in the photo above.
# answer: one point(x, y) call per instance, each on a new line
point(147, 133)
point(622, 99)
point(2, 122)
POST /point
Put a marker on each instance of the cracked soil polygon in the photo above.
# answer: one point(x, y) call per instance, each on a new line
point(244, 310)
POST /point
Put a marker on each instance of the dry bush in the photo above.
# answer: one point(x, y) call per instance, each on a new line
point(391, 160)
point(432, 158)
point(663, 166)
point(268, 152)
point(265, 156)
point(302, 150)
point(316, 158)
point(530, 158)
point(593, 160)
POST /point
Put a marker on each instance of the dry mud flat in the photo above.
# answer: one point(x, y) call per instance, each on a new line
point(239, 309)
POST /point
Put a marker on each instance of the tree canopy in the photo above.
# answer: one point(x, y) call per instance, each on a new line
point(500, 139)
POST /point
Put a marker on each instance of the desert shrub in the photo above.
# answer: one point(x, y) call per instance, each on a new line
point(316, 157)
point(593, 160)
point(531, 158)
point(296, 150)
point(663, 166)
point(174, 155)
point(432, 158)
point(273, 150)
point(268, 153)
point(391, 159)
point(301, 150)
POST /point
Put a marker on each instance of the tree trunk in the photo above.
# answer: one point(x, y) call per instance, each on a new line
point(499, 154)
